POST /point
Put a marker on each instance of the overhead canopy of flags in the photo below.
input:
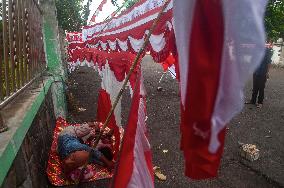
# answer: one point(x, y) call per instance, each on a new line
point(216, 44)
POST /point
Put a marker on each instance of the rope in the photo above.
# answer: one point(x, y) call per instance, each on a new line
point(133, 66)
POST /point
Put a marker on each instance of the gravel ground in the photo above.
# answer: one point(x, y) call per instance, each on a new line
point(256, 126)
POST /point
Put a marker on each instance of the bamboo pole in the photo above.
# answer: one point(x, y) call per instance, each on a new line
point(133, 66)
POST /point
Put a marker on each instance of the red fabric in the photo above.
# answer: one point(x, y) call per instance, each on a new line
point(119, 70)
point(134, 20)
point(124, 170)
point(102, 4)
point(125, 164)
point(119, 62)
point(99, 55)
point(54, 170)
point(104, 106)
point(168, 63)
point(148, 154)
point(136, 32)
point(113, 14)
point(93, 19)
point(100, 8)
point(74, 37)
point(203, 82)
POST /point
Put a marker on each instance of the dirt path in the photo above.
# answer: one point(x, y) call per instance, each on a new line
point(263, 127)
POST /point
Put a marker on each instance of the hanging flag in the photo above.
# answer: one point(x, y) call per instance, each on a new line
point(104, 106)
point(219, 43)
point(100, 8)
point(135, 162)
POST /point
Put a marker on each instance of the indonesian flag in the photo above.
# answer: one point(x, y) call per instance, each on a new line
point(135, 168)
point(220, 43)
point(100, 8)
point(104, 106)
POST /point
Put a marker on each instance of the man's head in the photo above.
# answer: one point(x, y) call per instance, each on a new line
point(75, 160)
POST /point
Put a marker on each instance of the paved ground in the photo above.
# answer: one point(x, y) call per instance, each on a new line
point(263, 127)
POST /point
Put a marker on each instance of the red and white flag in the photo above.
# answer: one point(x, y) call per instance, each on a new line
point(100, 8)
point(220, 43)
point(135, 168)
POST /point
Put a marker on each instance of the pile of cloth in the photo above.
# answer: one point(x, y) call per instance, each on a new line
point(60, 151)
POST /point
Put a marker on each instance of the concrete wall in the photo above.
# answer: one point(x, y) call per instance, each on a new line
point(28, 168)
point(53, 48)
point(30, 117)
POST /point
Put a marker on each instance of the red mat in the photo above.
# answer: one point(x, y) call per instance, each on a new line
point(54, 172)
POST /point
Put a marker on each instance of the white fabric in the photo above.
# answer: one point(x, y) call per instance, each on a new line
point(169, 24)
point(132, 26)
point(103, 45)
point(157, 42)
point(172, 70)
point(183, 15)
point(74, 37)
point(112, 87)
point(72, 66)
point(141, 177)
point(123, 45)
point(112, 45)
point(244, 42)
point(136, 43)
point(243, 25)
point(130, 89)
point(75, 42)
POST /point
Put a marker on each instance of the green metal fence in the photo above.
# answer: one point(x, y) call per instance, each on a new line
point(22, 55)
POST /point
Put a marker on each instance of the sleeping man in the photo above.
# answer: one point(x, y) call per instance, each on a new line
point(74, 153)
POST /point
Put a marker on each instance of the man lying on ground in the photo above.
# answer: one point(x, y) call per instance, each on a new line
point(75, 154)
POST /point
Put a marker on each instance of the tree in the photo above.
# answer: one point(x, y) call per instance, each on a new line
point(71, 14)
point(128, 3)
point(274, 19)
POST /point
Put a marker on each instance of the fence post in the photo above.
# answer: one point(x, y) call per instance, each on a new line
point(3, 127)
